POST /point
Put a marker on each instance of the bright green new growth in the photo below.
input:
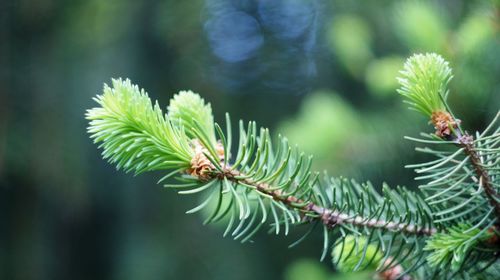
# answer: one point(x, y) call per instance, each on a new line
point(188, 109)
point(355, 255)
point(454, 245)
point(424, 82)
point(134, 134)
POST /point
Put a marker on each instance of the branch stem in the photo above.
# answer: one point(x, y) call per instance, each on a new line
point(466, 142)
point(329, 217)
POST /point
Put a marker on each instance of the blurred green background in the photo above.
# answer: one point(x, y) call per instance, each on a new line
point(320, 72)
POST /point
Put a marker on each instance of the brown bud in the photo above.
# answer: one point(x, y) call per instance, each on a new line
point(200, 164)
point(393, 272)
point(493, 240)
point(443, 122)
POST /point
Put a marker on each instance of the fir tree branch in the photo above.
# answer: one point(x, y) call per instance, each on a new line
point(269, 180)
point(275, 182)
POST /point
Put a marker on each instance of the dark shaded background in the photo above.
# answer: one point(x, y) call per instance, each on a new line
point(321, 72)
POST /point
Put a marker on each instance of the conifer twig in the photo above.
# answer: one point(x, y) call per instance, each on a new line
point(328, 217)
point(466, 142)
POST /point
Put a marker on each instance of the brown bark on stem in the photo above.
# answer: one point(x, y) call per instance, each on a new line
point(328, 217)
point(466, 142)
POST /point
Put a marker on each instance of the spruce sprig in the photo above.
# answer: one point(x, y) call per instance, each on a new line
point(267, 182)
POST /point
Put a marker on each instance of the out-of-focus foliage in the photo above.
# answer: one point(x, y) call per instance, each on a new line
point(420, 25)
point(60, 221)
point(351, 38)
point(380, 75)
point(328, 122)
point(311, 269)
point(366, 140)
point(306, 269)
point(369, 46)
point(468, 40)
point(356, 255)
